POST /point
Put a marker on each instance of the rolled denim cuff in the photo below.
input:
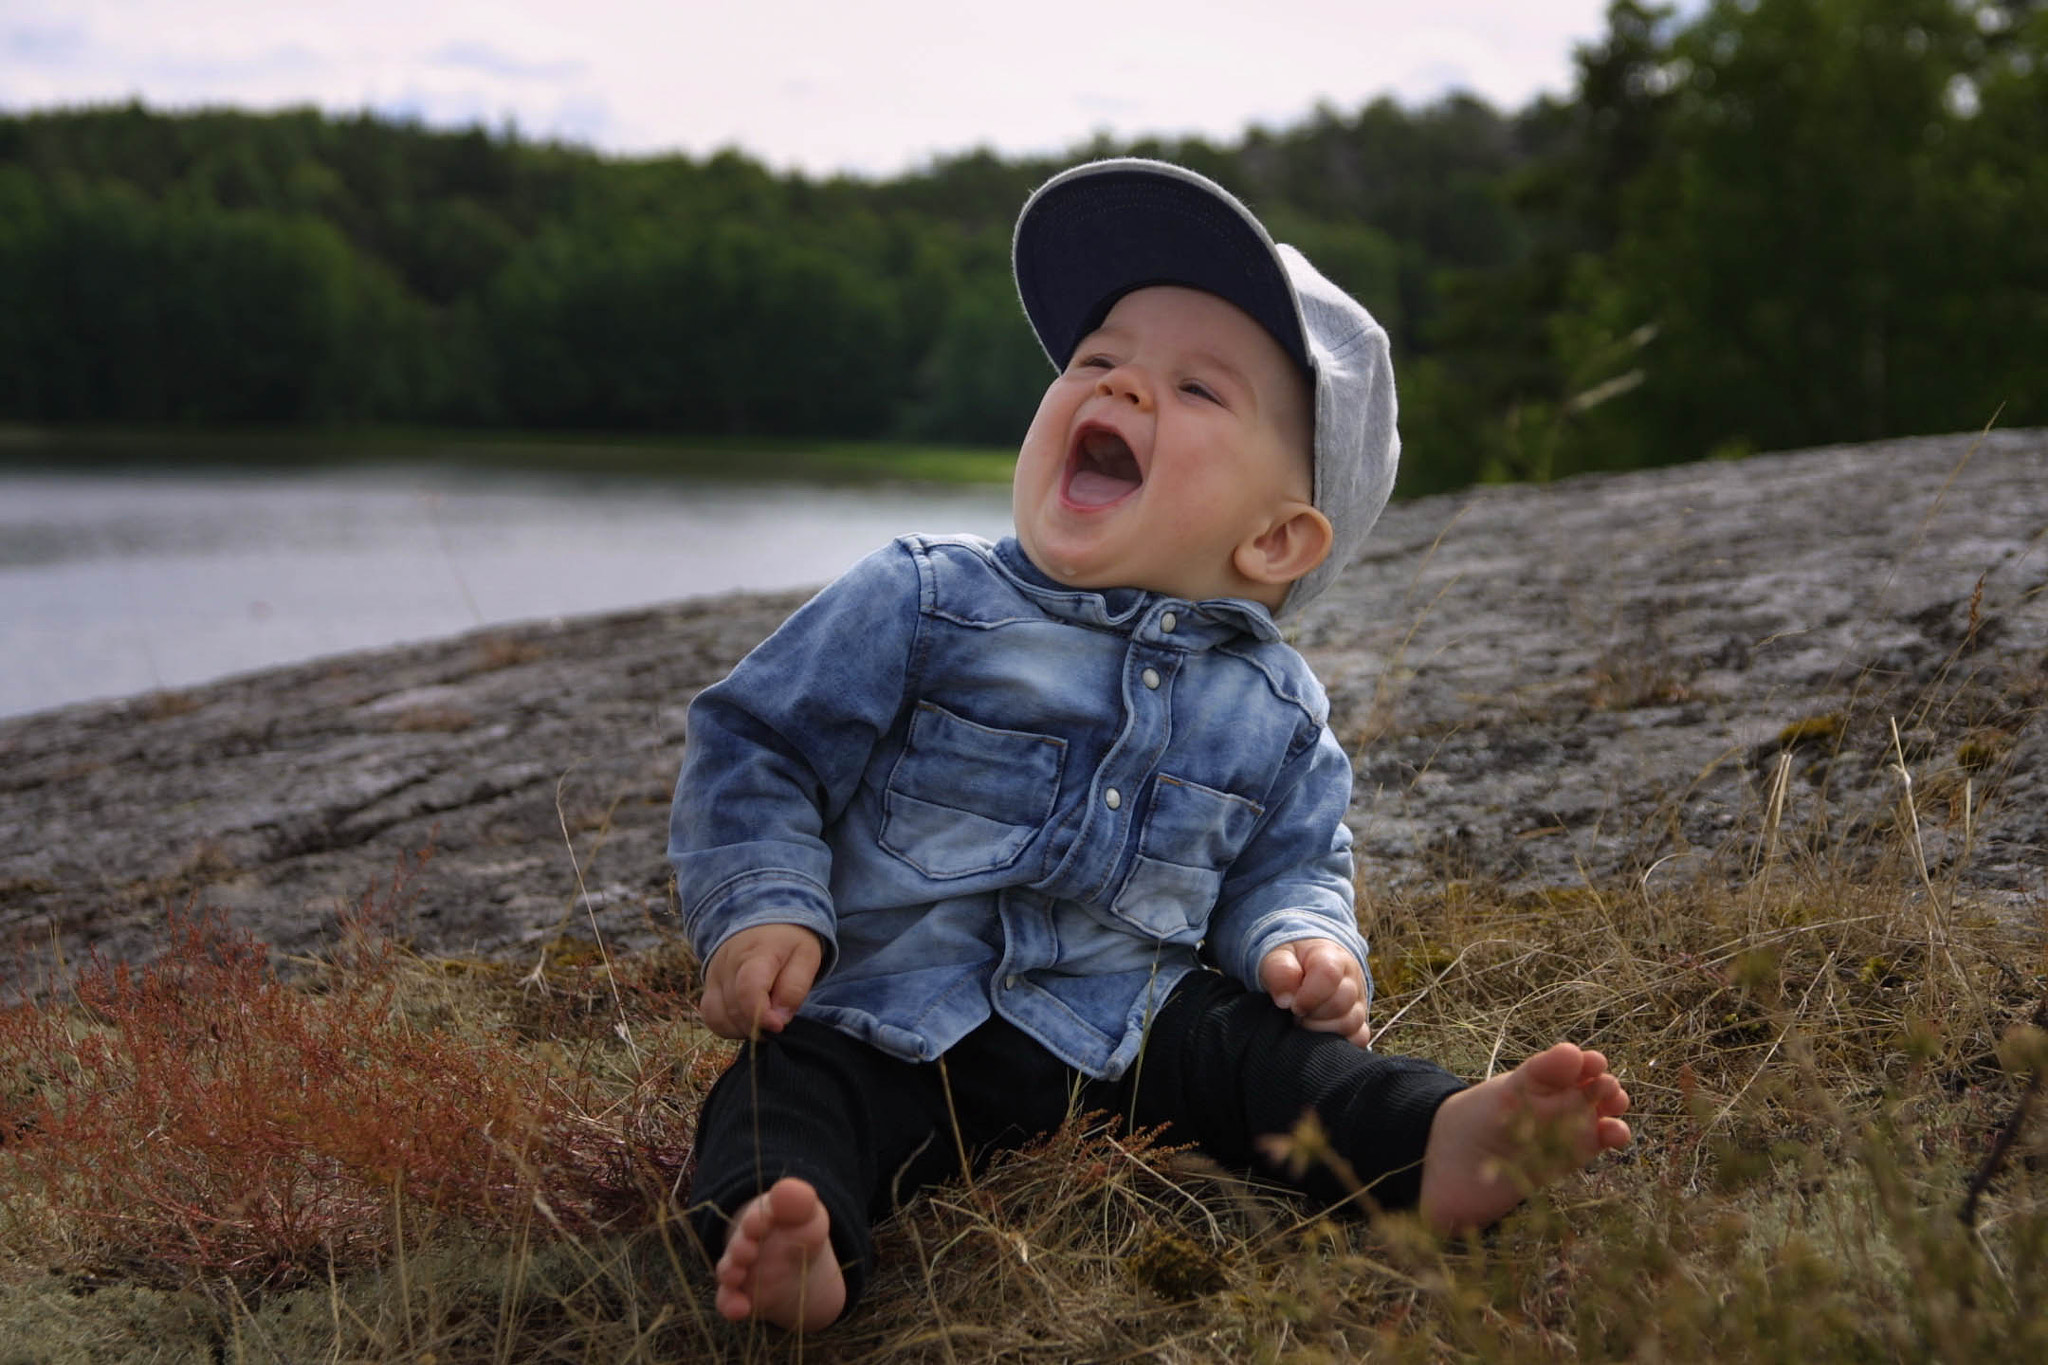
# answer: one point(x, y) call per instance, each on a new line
point(1286, 927)
point(765, 897)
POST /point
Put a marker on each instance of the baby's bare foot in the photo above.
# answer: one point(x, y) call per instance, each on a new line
point(1493, 1144)
point(778, 1264)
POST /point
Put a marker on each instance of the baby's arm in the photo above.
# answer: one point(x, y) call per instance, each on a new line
point(758, 977)
point(1285, 923)
point(775, 753)
point(1323, 984)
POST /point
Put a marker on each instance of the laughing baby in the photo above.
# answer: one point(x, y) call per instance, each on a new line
point(990, 835)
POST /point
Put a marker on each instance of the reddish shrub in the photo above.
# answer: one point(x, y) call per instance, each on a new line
point(199, 1116)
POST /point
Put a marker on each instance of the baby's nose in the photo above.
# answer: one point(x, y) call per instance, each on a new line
point(1125, 383)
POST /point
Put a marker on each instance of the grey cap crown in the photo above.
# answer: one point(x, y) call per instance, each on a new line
point(1095, 232)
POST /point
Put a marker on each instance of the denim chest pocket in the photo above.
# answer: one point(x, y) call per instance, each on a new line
point(965, 799)
point(1192, 834)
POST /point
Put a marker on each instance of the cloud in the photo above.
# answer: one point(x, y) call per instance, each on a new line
point(577, 119)
point(45, 44)
point(1098, 105)
point(219, 76)
point(1428, 79)
point(586, 119)
point(482, 57)
point(441, 108)
point(820, 85)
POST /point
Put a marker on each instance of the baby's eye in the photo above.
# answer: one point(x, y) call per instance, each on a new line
point(1196, 388)
point(1094, 362)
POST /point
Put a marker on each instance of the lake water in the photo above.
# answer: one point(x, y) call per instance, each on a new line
point(113, 585)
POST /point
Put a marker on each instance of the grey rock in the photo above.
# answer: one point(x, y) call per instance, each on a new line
point(1541, 686)
point(1580, 682)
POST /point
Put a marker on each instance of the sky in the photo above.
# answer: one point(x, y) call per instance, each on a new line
point(871, 87)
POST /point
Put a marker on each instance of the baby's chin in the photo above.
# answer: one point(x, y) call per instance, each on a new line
point(1066, 571)
point(1082, 578)
point(1066, 575)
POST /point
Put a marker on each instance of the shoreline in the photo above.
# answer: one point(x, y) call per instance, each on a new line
point(653, 456)
point(1543, 687)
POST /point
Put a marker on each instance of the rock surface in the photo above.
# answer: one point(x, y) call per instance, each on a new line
point(1542, 686)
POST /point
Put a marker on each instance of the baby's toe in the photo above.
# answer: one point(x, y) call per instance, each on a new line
point(1556, 1068)
point(1609, 1099)
point(790, 1203)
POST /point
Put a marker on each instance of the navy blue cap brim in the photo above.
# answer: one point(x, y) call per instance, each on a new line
point(1095, 233)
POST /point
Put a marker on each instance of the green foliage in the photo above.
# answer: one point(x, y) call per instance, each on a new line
point(133, 310)
point(1828, 237)
point(716, 324)
point(1770, 223)
point(981, 378)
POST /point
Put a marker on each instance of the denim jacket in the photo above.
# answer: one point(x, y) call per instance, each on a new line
point(988, 792)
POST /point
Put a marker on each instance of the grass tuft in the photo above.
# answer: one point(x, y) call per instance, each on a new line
point(1835, 1048)
point(200, 1121)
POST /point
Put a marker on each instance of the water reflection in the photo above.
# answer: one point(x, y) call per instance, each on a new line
point(119, 584)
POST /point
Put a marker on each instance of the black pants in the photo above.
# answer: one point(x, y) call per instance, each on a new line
point(1222, 1066)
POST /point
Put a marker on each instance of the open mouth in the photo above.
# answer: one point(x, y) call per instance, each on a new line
point(1101, 469)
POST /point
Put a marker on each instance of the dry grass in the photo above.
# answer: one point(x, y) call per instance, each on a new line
point(453, 1161)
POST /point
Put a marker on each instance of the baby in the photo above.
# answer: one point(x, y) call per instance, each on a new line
point(987, 835)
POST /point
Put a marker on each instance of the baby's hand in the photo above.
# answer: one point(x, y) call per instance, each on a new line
point(758, 977)
point(1322, 983)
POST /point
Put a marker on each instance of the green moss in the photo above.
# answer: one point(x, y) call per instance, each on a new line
point(1982, 748)
point(1177, 1268)
point(74, 1320)
point(1826, 728)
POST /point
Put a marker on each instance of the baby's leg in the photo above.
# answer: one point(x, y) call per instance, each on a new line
point(1491, 1145)
point(798, 1147)
point(1232, 1072)
point(779, 1265)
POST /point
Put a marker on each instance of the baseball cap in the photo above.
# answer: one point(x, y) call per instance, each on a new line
point(1095, 232)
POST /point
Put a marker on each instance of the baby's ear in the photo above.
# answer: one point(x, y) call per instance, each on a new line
point(1298, 540)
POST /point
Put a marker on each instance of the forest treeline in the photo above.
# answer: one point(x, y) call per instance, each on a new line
point(1770, 223)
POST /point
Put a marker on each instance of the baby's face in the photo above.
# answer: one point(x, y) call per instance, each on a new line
point(1178, 430)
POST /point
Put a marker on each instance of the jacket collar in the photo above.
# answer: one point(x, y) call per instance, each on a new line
point(1196, 625)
